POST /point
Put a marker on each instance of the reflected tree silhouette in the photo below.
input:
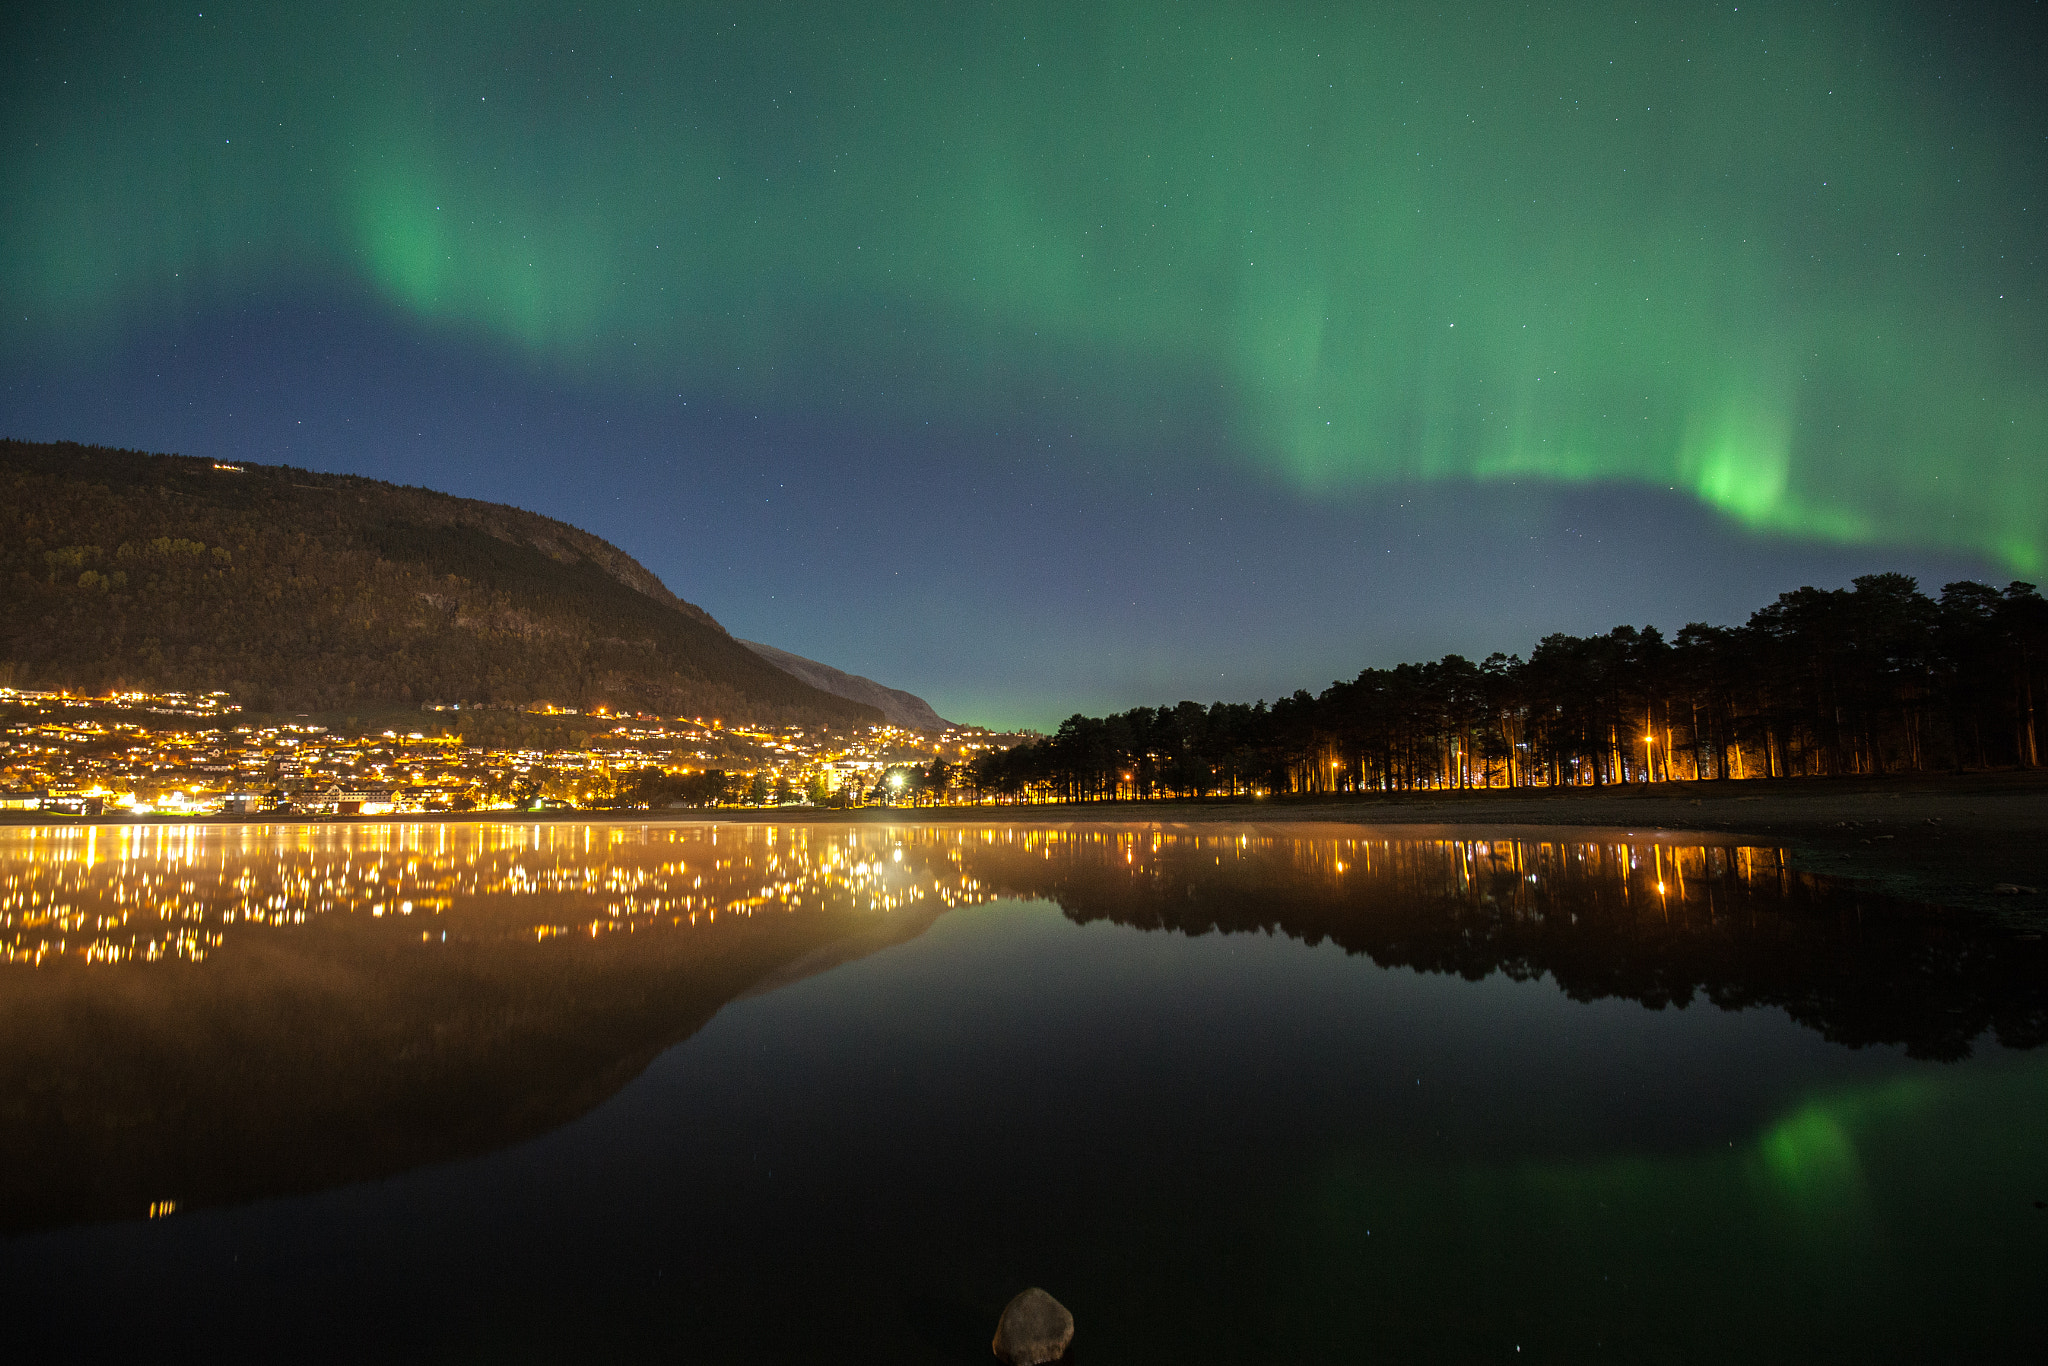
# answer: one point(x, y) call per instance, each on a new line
point(1732, 927)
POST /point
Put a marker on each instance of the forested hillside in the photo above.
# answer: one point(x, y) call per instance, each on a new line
point(306, 592)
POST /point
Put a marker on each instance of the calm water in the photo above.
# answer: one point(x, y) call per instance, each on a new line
point(740, 1093)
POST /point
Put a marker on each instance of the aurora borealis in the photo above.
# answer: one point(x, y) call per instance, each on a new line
point(1259, 301)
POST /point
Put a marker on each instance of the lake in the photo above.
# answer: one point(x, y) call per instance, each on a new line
point(805, 1092)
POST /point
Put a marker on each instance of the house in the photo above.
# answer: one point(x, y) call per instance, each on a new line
point(344, 801)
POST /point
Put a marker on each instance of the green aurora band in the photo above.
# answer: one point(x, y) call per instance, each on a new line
point(1767, 255)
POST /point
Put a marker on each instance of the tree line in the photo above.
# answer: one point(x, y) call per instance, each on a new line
point(1876, 678)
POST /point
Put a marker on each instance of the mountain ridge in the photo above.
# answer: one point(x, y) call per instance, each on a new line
point(905, 709)
point(297, 590)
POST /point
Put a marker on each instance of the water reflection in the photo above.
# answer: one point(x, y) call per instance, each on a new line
point(1649, 921)
point(212, 1014)
point(147, 893)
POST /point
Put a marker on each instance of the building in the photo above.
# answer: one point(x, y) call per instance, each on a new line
point(337, 800)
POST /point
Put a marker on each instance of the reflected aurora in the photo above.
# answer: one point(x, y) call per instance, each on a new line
point(1783, 1244)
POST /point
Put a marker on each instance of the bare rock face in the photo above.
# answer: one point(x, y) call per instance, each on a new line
point(1035, 1329)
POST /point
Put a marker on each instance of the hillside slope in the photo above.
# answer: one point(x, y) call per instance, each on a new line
point(905, 709)
point(306, 592)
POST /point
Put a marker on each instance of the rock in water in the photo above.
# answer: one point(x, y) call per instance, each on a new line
point(1035, 1328)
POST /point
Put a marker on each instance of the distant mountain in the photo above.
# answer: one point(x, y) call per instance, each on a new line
point(902, 708)
point(297, 591)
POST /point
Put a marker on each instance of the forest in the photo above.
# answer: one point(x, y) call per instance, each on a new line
point(1872, 679)
point(297, 591)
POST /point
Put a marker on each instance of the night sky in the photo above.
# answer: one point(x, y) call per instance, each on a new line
point(1042, 358)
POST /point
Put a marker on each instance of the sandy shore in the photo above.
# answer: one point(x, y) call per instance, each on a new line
point(1951, 840)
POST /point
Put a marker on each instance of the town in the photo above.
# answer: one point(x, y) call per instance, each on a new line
point(161, 755)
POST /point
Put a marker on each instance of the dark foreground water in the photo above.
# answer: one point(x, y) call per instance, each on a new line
point(733, 1093)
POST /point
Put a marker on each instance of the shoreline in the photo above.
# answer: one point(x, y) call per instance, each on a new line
point(1946, 840)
